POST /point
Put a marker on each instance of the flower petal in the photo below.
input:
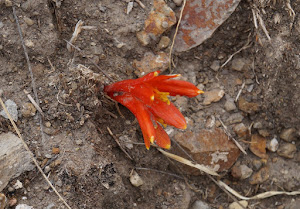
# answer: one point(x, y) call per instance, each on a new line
point(141, 113)
point(143, 92)
point(126, 85)
point(168, 113)
point(161, 138)
point(177, 87)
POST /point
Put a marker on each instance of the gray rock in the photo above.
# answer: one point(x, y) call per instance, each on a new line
point(213, 96)
point(235, 118)
point(235, 205)
point(288, 134)
point(229, 105)
point(238, 64)
point(198, 204)
point(12, 109)
point(215, 66)
point(257, 125)
point(241, 171)
point(287, 150)
point(293, 205)
point(13, 157)
point(178, 2)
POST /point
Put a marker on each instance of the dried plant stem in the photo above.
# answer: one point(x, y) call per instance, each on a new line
point(189, 163)
point(159, 171)
point(117, 141)
point(31, 154)
point(31, 74)
point(230, 136)
point(173, 41)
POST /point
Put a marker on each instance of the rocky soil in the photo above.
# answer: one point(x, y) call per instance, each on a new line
point(253, 98)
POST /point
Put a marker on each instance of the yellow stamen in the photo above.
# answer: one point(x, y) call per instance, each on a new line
point(200, 92)
point(161, 121)
point(184, 127)
point(168, 146)
point(152, 139)
point(163, 96)
point(155, 73)
point(152, 98)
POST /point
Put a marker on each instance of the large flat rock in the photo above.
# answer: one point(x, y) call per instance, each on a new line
point(14, 159)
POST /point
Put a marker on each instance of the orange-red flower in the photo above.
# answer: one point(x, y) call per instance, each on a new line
point(147, 98)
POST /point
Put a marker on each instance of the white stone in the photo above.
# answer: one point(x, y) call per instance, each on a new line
point(235, 205)
point(135, 179)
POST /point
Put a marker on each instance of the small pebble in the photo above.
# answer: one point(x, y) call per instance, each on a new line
point(241, 171)
point(261, 176)
point(287, 150)
point(241, 130)
point(163, 43)
point(272, 145)
point(55, 150)
point(257, 125)
point(48, 124)
point(23, 206)
point(257, 164)
point(18, 185)
point(177, 2)
point(198, 204)
point(235, 118)
point(213, 96)
point(230, 105)
point(288, 134)
point(12, 109)
point(215, 66)
point(29, 43)
point(47, 169)
point(79, 142)
point(135, 179)
point(235, 205)
point(28, 110)
point(49, 156)
point(8, 3)
point(12, 202)
point(238, 64)
point(28, 21)
point(264, 132)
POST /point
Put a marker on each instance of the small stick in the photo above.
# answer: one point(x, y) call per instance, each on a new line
point(230, 136)
point(30, 72)
point(262, 24)
point(240, 91)
point(141, 4)
point(119, 111)
point(247, 45)
point(62, 103)
point(75, 35)
point(31, 154)
point(33, 102)
point(52, 67)
point(173, 41)
point(116, 139)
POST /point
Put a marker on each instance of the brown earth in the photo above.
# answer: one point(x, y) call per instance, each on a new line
point(91, 171)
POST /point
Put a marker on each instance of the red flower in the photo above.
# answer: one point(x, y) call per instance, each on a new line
point(147, 99)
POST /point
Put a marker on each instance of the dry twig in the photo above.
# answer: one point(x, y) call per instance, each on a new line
point(141, 4)
point(230, 136)
point(75, 34)
point(173, 41)
point(30, 72)
point(33, 102)
point(240, 91)
point(189, 163)
point(117, 141)
point(31, 154)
